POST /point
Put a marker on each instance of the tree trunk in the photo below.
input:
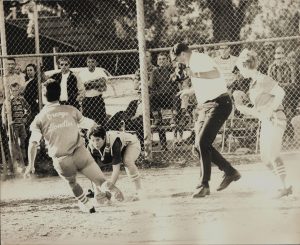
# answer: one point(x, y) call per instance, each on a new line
point(227, 19)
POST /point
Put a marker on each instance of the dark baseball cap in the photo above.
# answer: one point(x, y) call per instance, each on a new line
point(177, 49)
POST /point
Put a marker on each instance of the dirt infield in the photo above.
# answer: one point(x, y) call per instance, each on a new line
point(42, 211)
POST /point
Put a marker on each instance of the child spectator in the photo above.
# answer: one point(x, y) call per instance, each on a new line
point(20, 110)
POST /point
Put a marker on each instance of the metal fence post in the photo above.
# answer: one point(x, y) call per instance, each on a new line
point(6, 89)
point(144, 78)
point(37, 51)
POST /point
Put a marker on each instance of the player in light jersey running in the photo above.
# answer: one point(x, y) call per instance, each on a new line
point(116, 147)
point(59, 125)
point(265, 103)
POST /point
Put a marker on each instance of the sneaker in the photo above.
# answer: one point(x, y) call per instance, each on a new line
point(284, 192)
point(201, 191)
point(88, 207)
point(228, 179)
point(90, 194)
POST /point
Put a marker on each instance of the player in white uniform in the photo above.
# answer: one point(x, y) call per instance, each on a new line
point(116, 147)
point(264, 102)
point(59, 125)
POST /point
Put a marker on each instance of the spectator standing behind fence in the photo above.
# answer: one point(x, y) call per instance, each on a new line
point(163, 92)
point(267, 57)
point(150, 68)
point(20, 111)
point(31, 89)
point(3, 132)
point(68, 83)
point(31, 95)
point(12, 76)
point(93, 79)
point(226, 63)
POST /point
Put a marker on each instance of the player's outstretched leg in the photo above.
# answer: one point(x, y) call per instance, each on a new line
point(84, 203)
point(67, 170)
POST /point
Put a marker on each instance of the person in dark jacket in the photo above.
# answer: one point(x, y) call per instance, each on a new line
point(68, 83)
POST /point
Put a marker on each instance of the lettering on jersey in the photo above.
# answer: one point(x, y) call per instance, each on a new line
point(57, 115)
point(64, 124)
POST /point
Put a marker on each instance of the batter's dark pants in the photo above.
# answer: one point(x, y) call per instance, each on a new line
point(213, 122)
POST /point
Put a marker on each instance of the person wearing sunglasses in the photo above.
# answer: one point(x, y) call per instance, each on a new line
point(68, 83)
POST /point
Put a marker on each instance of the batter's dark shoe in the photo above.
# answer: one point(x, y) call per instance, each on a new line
point(202, 191)
point(228, 178)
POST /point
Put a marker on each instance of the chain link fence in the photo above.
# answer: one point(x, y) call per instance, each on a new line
point(96, 41)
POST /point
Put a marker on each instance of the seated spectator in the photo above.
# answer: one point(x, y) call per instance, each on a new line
point(20, 111)
point(163, 92)
point(180, 77)
point(267, 57)
point(68, 83)
point(93, 79)
point(280, 69)
point(292, 61)
point(281, 72)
